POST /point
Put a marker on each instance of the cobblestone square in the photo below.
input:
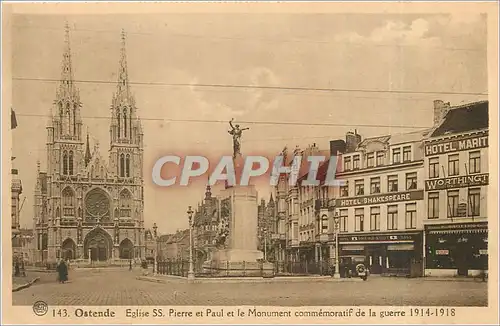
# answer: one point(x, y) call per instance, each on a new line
point(120, 287)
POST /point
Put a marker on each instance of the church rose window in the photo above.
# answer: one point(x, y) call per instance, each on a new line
point(97, 204)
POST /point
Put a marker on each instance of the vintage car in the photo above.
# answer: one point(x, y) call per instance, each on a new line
point(353, 265)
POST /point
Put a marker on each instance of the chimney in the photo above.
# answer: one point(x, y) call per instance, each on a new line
point(440, 110)
point(337, 147)
point(352, 140)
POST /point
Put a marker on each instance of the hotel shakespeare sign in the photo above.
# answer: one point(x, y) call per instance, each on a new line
point(457, 182)
point(380, 237)
point(380, 199)
point(456, 145)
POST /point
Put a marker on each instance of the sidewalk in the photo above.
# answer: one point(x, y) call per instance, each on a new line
point(277, 279)
point(454, 278)
point(17, 285)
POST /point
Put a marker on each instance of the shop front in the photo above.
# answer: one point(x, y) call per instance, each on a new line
point(456, 249)
point(391, 254)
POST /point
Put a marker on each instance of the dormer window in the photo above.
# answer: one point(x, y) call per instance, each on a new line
point(396, 155)
point(380, 158)
point(407, 154)
point(355, 162)
point(347, 163)
point(370, 160)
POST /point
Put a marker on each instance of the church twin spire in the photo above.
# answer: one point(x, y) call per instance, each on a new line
point(67, 89)
point(66, 121)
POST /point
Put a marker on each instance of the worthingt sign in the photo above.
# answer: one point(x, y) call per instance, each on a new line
point(457, 182)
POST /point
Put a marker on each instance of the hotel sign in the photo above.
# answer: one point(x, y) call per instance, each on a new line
point(380, 199)
point(457, 182)
point(378, 237)
point(457, 144)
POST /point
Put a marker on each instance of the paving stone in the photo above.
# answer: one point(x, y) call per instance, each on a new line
point(122, 288)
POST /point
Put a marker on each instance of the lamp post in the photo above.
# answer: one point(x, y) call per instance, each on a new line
point(336, 220)
point(155, 251)
point(190, 217)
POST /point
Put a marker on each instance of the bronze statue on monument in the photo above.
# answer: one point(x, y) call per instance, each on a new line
point(236, 132)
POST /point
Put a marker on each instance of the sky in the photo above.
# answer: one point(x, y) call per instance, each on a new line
point(385, 70)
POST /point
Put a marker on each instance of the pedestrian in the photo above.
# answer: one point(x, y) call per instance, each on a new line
point(22, 268)
point(16, 268)
point(62, 271)
point(130, 264)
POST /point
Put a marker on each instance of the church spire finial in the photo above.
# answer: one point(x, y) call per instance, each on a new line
point(88, 156)
point(208, 191)
point(123, 73)
point(66, 85)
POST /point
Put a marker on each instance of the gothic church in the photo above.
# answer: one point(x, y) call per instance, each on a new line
point(85, 208)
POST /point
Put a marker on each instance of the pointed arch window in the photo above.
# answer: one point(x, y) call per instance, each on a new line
point(68, 199)
point(125, 122)
point(70, 163)
point(130, 121)
point(65, 163)
point(122, 165)
point(68, 118)
point(125, 204)
point(75, 108)
point(119, 125)
point(127, 166)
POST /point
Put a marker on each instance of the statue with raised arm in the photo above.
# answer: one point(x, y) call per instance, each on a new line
point(236, 132)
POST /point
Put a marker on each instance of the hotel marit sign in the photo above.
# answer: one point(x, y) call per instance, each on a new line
point(380, 199)
point(463, 143)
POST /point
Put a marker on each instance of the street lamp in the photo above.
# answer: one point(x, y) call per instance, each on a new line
point(190, 217)
point(336, 220)
point(155, 251)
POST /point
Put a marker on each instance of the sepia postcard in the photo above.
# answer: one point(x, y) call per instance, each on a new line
point(250, 163)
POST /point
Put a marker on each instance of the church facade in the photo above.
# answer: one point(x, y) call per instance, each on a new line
point(87, 208)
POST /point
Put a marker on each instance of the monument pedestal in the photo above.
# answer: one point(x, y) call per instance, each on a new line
point(240, 257)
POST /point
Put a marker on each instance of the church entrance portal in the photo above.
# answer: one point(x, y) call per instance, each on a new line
point(126, 249)
point(98, 244)
point(68, 249)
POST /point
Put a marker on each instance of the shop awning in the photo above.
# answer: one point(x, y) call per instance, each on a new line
point(458, 231)
point(400, 247)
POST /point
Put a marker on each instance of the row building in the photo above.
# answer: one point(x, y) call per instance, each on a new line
point(456, 191)
point(412, 204)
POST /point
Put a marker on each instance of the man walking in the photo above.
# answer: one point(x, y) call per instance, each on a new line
point(62, 271)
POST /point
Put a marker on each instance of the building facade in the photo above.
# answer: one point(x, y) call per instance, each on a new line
point(85, 208)
point(16, 189)
point(456, 191)
point(205, 226)
point(174, 246)
point(381, 204)
point(266, 227)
